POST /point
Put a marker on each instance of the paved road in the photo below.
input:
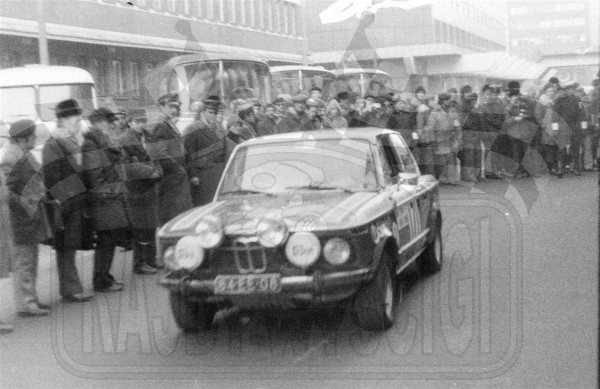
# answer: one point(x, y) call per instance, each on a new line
point(514, 306)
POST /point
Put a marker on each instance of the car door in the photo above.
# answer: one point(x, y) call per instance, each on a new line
point(408, 227)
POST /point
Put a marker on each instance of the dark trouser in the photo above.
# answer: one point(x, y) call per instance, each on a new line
point(550, 155)
point(470, 158)
point(518, 148)
point(68, 278)
point(103, 257)
point(144, 247)
point(575, 151)
point(426, 159)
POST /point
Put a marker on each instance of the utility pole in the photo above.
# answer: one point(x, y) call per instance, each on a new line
point(42, 39)
point(304, 19)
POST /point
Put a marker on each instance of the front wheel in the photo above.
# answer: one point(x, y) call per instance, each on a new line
point(191, 315)
point(432, 257)
point(374, 302)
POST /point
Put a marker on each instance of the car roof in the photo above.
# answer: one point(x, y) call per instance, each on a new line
point(369, 134)
point(211, 56)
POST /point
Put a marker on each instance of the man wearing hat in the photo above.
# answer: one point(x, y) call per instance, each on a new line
point(142, 196)
point(493, 113)
point(295, 118)
point(174, 189)
point(62, 173)
point(206, 152)
point(27, 215)
point(242, 127)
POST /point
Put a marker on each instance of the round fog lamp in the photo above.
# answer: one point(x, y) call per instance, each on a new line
point(209, 232)
point(188, 253)
point(303, 249)
point(336, 251)
point(271, 232)
point(169, 259)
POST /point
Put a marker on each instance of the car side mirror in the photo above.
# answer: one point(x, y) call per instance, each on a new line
point(408, 179)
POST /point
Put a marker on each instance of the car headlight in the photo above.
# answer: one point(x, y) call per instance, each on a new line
point(336, 251)
point(303, 249)
point(188, 253)
point(209, 231)
point(169, 258)
point(271, 232)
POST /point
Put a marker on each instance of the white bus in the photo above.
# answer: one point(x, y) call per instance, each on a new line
point(32, 92)
point(362, 82)
point(291, 79)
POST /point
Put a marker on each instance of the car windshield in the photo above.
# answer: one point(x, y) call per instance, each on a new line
point(314, 165)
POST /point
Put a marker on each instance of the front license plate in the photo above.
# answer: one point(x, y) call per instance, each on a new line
point(248, 283)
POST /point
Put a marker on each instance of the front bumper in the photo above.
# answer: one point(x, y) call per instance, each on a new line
point(296, 291)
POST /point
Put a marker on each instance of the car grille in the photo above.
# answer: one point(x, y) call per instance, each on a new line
point(244, 256)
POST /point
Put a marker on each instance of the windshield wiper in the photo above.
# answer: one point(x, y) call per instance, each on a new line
point(320, 186)
point(247, 191)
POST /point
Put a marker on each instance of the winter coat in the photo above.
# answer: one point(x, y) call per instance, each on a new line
point(26, 190)
point(174, 195)
point(570, 115)
point(207, 151)
point(521, 122)
point(494, 114)
point(63, 177)
point(102, 158)
point(441, 125)
point(405, 123)
point(267, 126)
point(546, 116)
point(142, 190)
point(6, 236)
point(293, 122)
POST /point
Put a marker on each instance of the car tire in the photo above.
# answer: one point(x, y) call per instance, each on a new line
point(191, 315)
point(373, 305)
point(432, 257)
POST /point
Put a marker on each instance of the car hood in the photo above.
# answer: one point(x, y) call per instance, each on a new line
point(311, 210)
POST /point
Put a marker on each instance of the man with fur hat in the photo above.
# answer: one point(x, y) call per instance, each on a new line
point(62, 172)
point(27, 214)
point(521, 127)
point(174, 189)
point(206, 152)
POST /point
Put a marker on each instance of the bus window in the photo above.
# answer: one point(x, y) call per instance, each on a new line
point(17, 103)
point(50, 95)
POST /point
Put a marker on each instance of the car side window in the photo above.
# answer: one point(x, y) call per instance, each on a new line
point(404, 155)
point(394, 165)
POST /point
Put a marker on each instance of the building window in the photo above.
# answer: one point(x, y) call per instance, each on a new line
point(221, 10)
point(135, 77)
point(293, 20)
point(242, 12)
point(252, 14)
point(286, 18)
point(270, 15)
point(261, 14)
point(118, 74)
point(157, 5)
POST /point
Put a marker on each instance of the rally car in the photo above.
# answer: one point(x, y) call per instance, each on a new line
point(302, 221)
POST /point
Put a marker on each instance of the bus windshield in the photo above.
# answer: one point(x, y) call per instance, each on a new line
point(364, 84)
point(240, 80)
point(287, 82)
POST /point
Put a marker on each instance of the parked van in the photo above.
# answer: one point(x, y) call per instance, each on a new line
point(32, 92)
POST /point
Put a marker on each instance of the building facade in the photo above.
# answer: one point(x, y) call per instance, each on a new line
point(119, 42)
point(429, 45)
point(563, 34)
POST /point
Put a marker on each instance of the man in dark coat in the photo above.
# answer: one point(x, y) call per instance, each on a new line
point(568, 108)
point(62, 174)
point(242, 126)
point(102, 157)
point(404, 120)
point(142, 196)
point(27, 215)
point(268, 124)
point(471, 122)
point(206, 152)
point(495, 143)
point(295, 118)
point(174, 188)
